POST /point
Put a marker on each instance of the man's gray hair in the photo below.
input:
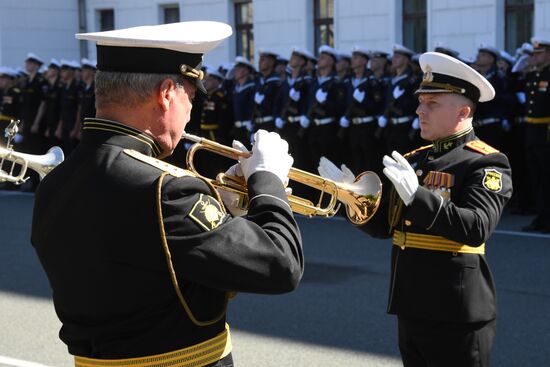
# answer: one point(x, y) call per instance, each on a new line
point(129, 89)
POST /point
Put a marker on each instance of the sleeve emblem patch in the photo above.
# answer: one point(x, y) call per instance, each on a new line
point(492, 180)
point(207, 213)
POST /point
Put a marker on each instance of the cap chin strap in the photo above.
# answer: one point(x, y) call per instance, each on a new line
point(188, 71)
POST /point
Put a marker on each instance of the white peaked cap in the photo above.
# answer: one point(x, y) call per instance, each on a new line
point(446, 74)
point(175, 48)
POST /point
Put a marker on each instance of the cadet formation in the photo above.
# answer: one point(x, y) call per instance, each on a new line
point(352, 107)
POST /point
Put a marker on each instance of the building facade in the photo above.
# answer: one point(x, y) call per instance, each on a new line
point(47, 27)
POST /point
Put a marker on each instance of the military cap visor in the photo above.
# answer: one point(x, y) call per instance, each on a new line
point(175, 48)
point(446, 74)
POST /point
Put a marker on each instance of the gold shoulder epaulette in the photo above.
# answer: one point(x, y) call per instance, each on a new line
point(417, 150)
point(481, 147)
point(163, 166)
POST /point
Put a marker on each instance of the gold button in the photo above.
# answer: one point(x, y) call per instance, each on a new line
point(408, 222)
point(419, 172)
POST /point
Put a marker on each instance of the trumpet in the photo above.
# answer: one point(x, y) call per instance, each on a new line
point(42, 164)
point(359, 207)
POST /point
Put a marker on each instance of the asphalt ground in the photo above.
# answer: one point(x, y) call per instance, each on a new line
point(336, 317)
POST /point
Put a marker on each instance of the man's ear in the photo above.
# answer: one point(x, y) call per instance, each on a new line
point(165, 93)
point(464, 111)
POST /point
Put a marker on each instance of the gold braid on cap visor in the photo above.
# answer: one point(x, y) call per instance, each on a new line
point(442, 86)
point(188, 71)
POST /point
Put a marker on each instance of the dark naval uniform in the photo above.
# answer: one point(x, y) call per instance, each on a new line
point(324, 116)
point(53, 110)
point(295, 105)
point(537, 143)
point(243, 104)
point(489, 116)
point(400, 112)
point(215, 125)
point(69, 107)
point(367, 102)
point(143, 258)
point(10, 109)
point(440, 279)
point(32, 95)
point(267, 102)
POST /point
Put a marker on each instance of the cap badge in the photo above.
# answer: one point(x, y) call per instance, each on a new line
point(428, 76)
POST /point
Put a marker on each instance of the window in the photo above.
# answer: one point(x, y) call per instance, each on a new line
point(170, 13)
point(519, 23)
point(414, 25)
point(323, 23)
point(106, 19)
point(243, 29)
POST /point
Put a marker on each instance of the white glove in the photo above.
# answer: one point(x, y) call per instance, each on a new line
point(398, 92)
point(402, 175)
point(304, 121)
point(506, 125)
point(416, 123)
point(521, 97)
point(521, 64)
point(269, 153)
point(279, 123)
point(344, 177)
point(258, 98)
point(358, 95)
point(344, 122)
point(248, 125)
point(294, 94)
point(382, 121)
point(321, 96)
point(231, 200)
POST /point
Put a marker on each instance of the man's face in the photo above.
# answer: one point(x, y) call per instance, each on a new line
point(4, 81)
point(378, 63)
point(484, 59)
point(241, 72)
point(325, 61)
point(296, 61)
point(342, 65)
point(266, 64)
point(399, 61)
point(31, 66)
point(439, 114)
point(358, 61)
point(541, 58)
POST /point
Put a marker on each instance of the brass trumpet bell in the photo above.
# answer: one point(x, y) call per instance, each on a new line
point(360, 207)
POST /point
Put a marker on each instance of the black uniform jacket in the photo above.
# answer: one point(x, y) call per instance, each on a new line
point(464, 185)
point(110, 230)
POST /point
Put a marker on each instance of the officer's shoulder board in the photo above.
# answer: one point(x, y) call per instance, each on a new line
point(481, 147)
point(163, 166)
point(417, 150)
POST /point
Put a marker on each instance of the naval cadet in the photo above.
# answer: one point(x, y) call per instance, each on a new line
point(443, 204)
point(267, 96)
point(10, 103)
point(52, 103)
point(69, 105)
point(367, 102)
point(142, 256)
point(490, 120)
point(326, 104)
point(86, 98)
point(397, 119)
point(296, 89)
point(243, 99)
point(537, 133)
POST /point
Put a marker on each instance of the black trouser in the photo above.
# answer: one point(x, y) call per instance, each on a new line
point(443, 344)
